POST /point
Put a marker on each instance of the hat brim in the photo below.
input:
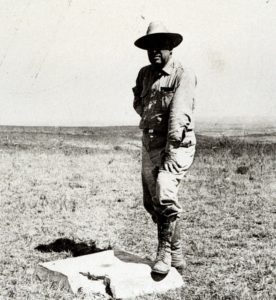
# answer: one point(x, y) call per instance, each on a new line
point(158, 40)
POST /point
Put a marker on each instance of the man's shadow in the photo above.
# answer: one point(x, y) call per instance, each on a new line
point(68, 245)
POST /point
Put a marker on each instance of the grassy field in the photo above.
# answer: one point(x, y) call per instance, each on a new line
point(83, 185)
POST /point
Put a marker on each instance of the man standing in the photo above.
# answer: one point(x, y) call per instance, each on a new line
point(164, 98)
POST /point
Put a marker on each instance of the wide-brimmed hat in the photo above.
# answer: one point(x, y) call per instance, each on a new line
point(158, 35)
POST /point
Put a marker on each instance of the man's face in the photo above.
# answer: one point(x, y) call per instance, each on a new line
point(159, 57)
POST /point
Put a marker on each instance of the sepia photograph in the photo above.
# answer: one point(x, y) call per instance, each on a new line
point(138, 149)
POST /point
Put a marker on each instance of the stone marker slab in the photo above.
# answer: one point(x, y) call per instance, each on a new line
point(112, 272)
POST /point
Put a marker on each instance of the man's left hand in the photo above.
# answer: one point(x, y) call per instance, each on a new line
point(172, 166)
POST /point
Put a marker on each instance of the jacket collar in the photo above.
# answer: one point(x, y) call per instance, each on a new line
point(169, 66)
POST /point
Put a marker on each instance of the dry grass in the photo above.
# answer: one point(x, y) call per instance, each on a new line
point(85, 185)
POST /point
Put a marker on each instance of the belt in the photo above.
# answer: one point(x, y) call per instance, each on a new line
point(154, 131)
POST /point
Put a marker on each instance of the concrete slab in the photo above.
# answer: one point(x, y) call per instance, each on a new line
point(117, 273)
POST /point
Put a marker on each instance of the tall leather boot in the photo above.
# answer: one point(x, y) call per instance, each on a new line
point(177, 255)
point(163, 259)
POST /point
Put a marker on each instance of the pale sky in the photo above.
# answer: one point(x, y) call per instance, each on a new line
point(73, 62)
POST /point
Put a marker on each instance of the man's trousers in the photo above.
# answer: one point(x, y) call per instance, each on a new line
point(160, 187)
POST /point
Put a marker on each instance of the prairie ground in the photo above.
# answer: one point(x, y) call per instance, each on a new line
point(83, 186)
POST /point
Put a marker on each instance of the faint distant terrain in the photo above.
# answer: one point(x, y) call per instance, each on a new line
point(88, 138)
point(248, 131)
